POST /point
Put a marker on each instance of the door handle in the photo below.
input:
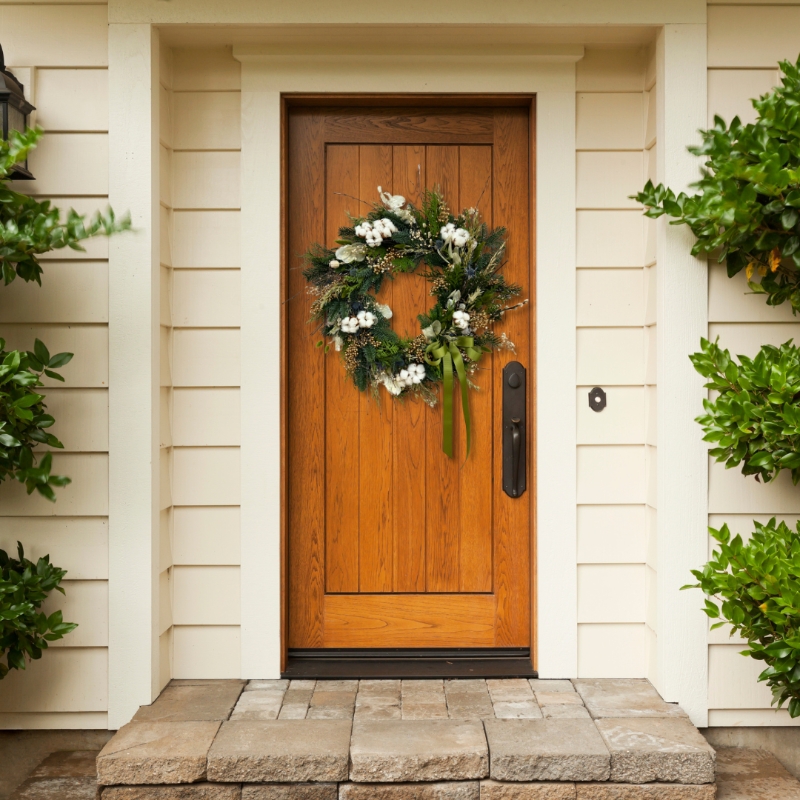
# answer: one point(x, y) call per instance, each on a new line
point(514, 429)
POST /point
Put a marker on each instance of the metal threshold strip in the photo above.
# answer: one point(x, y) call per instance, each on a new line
point(410, 663)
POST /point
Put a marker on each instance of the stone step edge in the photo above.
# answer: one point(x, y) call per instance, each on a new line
point(484, 789)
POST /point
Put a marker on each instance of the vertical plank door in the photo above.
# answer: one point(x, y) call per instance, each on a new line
point(390, 542)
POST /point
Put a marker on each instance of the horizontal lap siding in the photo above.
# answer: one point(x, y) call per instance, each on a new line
point(744, 43)
point(206, 365)
point(612, 352)
point(60, 51)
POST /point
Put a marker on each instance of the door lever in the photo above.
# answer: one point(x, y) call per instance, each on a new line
point(514, 429)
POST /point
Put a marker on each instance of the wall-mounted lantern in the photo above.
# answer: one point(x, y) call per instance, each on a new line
point(14, 110)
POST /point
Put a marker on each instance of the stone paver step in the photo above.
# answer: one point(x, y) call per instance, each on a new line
point(506, 739)
point(744, 774)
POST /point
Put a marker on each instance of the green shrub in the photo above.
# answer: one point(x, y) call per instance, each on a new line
point(755, 419)
point(24, 629)
point(24, 420)
point(747, 211)
point(755, 588)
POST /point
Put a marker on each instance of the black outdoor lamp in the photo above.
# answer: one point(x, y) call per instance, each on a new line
point(14, 110)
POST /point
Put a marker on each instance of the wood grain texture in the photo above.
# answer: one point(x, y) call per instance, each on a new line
point(409, 620)
point(409, 444)
point(408, 126)
point(375, 424)
point(512, 517)
point(417, 550)
point(443, 499)
point(341, 404)
point(305, 409)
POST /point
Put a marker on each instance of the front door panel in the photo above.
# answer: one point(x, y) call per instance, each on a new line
point(390, 542)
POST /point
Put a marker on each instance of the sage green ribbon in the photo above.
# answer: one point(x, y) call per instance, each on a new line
point(446, 352)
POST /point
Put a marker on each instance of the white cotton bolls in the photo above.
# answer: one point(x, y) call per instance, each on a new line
point(412, 374)
point(366, 319)
point(461, 319)
point(376, 232)
point(458, 237)
point(349, 325)
point(333, 264)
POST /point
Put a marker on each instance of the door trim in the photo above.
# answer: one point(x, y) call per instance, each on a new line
point(475, 632)
point(265, 81)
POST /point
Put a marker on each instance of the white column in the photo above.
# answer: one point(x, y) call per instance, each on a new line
point(133, 372)
point(261, 381)
point(556, 360)
point(682, 305)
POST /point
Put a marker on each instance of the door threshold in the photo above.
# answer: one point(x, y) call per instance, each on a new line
point(410, 663)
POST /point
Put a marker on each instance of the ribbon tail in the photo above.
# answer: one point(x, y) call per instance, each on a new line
point(447, 405)
point(462, 379)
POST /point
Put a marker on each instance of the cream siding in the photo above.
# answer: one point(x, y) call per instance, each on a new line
point(60, 53)
point(612, 352)
point(744, 43)
point(206, 303)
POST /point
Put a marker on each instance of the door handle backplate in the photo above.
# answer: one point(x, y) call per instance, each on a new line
point(514, 429)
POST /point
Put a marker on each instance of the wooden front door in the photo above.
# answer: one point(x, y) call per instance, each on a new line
point(391, 544)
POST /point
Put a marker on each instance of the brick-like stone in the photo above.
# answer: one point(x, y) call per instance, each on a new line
point(470, 705)
point(525, 709)
point(547, 750)
point(330, 712)
point(302, 684)
point(297, 696)
point(367, 710)
point(424, 711)
point(651, 791)
point(290, 791)
point(258, 704)
point(657, 749)
point(68, 764)
point(293, 711)
point(565, 712)
point(465, 685)
point(384, 751)
point(744, 774)
point(375, 686)
point(209, 701)
point(337, 686)
point(558, 699)
point(540, 790)
point(510, 690)
point(280, 751)
point(337, 698)
point(451, 790)
point(193, 791)
point(624, 698)
point(67, 788)
point(277, 685)
point(546, 685)
point(157, 752)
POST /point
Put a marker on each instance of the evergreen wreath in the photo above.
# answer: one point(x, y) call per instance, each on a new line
point(462, 259)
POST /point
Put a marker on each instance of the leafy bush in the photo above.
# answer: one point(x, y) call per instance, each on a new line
point(29, 228)
point(23, 419)
point(748, 208)
point(755, 419)
point(24, 629)
point(757, 586)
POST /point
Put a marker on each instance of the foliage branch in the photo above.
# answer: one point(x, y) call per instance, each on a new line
point(28, 229)
point(755, 588)
point(25, 630)
point(754, 419)
point(747, 209)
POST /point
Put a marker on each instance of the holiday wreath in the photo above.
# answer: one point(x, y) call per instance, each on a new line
point(462, 257)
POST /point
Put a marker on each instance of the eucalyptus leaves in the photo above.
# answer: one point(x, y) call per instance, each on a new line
point(462, 259)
